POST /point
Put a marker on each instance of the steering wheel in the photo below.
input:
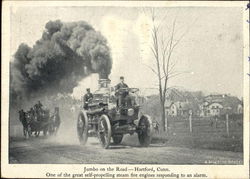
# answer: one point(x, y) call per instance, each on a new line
point(133, 90)
point(122, 90)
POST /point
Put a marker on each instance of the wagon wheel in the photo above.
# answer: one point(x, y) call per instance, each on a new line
point(145, 131)
point(104, 131)
point(37, 133)
point(82, 128)
point(117, 139)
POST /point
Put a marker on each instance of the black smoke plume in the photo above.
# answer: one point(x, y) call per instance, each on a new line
point(66, 53)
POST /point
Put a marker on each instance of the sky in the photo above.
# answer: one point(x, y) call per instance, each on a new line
point(210, 54)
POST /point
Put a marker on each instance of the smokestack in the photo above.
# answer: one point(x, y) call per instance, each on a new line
point(103, 74)
point(104, 83)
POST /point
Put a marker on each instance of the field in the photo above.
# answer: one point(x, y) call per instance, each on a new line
point(206, 133)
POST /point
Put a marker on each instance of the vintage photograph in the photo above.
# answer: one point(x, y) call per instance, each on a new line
point(126, 85)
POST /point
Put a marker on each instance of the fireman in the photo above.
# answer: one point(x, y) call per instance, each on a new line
point(121, 95)
point(121, 84)
point(87, 98)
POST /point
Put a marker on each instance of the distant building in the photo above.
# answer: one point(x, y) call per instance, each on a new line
point(181, 108)
point(171, 109)
point(240, 109)
point(179, 103)
point(211, 109)
point(215, 105)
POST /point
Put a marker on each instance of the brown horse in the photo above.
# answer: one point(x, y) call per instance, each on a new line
point(24, 121)
point(56, 121)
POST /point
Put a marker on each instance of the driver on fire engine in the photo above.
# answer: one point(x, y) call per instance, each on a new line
point(87, 97)
point(121, 96)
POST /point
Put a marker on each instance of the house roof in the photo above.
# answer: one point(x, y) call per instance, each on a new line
point(231, 101)
point(168, 104)
point(215, 103)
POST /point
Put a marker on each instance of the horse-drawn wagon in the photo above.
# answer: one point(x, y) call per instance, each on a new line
point(35, 121)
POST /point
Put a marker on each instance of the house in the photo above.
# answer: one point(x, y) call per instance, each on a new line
point(212, 109)
point(181, 108)
point(179, 103)
point(239, 109)
point(215, 105)
point(171, 109)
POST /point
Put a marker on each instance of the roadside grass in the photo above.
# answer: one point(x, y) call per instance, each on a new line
point(205, 135)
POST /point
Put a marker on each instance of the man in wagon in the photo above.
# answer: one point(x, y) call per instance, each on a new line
point(39, 105)
point(121, 96)
point(32, 114)
point(87, 97)
point(38, 110)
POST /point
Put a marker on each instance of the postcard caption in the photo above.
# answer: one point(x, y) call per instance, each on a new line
point(125, 172)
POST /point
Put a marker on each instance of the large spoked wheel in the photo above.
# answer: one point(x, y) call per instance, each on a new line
point(145, 131)
point(117, 139)
point(82, 128)
point(104, 131)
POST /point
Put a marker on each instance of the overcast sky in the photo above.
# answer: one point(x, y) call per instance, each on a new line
point(211, 52)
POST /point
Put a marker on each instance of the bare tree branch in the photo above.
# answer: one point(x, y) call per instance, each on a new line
point(153, 70)
point(176, 74)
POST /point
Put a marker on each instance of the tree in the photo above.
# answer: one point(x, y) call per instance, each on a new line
point(162, 48)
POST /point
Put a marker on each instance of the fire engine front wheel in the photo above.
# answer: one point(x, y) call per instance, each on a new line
point(82, 128)
point(145, 130)
point(104, 131)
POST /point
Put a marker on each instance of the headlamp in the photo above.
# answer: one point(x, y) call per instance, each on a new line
point(131, 112)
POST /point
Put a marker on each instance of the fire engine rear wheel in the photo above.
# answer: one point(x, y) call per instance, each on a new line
point(104, 131)
point(82, 128)
point(145, 130)
point(117, 139)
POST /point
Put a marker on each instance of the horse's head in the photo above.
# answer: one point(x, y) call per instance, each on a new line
point(21, 112)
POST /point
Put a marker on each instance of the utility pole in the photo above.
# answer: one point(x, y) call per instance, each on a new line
point(190, 121)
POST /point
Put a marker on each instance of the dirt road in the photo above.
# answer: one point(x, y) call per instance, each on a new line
point(65, 149)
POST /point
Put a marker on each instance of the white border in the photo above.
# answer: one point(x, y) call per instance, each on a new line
point(24, 170)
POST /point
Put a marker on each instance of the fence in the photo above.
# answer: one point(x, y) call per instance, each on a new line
point(227, 124)
point(222, 133)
